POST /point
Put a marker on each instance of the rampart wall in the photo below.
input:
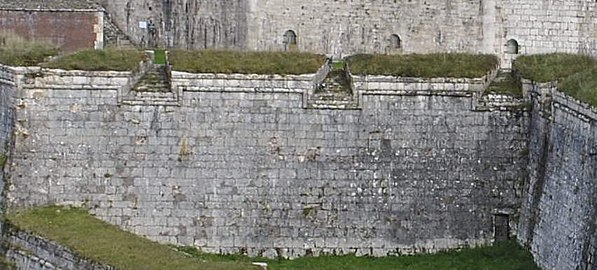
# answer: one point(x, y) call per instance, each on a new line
point(241, 164)
point(8, 92)
point(558, 217)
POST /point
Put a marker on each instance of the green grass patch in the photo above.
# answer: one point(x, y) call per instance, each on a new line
point(97, 240)
point(582, 86)
point(502, 256)
point(159, 56)
point(213, 61)
point(5, 265)
point(455, 65)
point(552, 67)
point(16, 51)
point(99, 60)
point(103, 242)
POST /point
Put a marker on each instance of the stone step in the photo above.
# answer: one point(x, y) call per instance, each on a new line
point(155, 80)
point(153, 95)
point(150, 102)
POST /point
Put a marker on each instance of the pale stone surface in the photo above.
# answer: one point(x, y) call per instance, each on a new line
point(366, 26)
point(560, 209)
point(232, 163)
point(249, 166)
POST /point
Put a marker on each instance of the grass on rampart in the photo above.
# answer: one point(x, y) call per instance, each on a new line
point(99, 60)
point(553, 66)
point(582, 85)
point(105, 243)
point(214, 61)
point(17, 51)
point(576, 74)
point(102, 242)
point(454, 65)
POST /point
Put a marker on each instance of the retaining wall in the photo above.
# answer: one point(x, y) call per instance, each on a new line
point(239, 163)
point(558, 215)
point(8, 91)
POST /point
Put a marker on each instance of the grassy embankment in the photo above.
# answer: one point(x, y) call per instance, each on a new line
point(213, 61)
point(17, 51)
point(576, 74)
point(99, 60)
point(454, 65)
point(106, 243)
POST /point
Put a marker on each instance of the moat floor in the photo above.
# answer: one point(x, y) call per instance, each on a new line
point(101, 242)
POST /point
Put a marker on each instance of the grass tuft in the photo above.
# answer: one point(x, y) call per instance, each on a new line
point(214, 61)
point(99, 60)
point(582, 86)
point(455, 65)
point(159, 57)
point(553, 66)
point(16, 51)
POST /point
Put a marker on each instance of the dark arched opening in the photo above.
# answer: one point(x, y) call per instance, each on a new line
point(512, 46)
point(395, 42)
point(290, 40)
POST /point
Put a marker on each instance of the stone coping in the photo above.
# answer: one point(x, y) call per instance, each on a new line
point(370, 84)
point(560, 98)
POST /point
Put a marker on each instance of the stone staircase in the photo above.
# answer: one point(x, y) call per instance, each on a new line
point(155, 80)
point(505, 83)
point(153, 89)
point(114, 37)
point(335, 92)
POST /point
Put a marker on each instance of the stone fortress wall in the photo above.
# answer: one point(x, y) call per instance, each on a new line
point(559, 213)
point(317, 178)
point(415, 166)
point(242, 164)
point(8, 92)
point(245, 163)
point(365, 26)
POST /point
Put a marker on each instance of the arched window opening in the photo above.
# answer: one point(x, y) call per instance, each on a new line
point(395, 42)
point(512, 46)
point(290, 40)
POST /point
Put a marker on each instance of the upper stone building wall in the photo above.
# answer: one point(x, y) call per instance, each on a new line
point(70, 25)
point(70, 30)
point(182, 23)
point(551, 26)
point(348, 27)
point(363, 26)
